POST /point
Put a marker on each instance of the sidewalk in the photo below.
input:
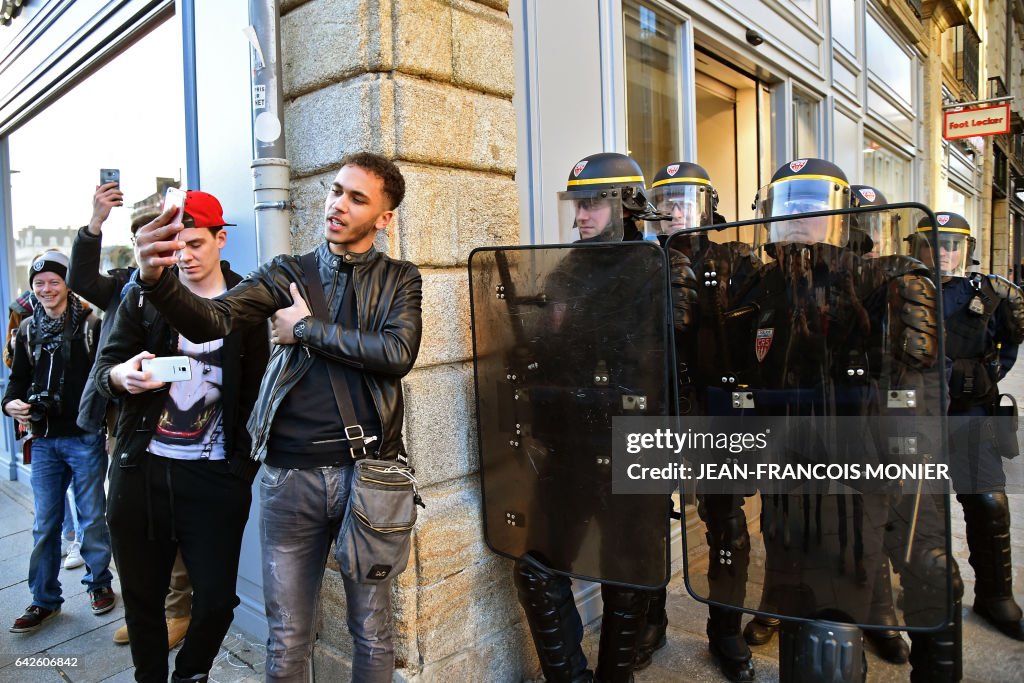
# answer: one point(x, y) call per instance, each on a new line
point(76, 633)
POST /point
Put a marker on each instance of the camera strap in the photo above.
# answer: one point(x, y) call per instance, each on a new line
point(318, 304)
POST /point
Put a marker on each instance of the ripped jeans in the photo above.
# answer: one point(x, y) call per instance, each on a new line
point(301, 513)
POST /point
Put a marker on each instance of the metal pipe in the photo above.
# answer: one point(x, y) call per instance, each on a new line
point(994, 100)
point(270, 167)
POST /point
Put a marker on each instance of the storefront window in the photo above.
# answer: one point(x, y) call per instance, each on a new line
point(887, 62)
point(805, 125)
point(846, 147)
point(887, 171)
point(128, 115)
point(844, 23)
point(959, 202)
point(652, 106)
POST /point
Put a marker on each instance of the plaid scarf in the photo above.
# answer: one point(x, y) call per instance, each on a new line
point(49, 331)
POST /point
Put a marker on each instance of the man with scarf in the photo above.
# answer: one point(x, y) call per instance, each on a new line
point(53, 352)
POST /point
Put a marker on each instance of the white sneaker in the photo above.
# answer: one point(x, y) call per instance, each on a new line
point(74, 559)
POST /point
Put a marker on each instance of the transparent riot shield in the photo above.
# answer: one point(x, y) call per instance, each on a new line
point(565, 338)
point(836, 350)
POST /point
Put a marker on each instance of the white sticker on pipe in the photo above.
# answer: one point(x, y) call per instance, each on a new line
point(267, 127)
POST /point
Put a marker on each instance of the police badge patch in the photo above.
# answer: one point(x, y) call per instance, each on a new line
point(763, 342)
point(579, 168)
point(798, 165)
point(867, 194)
point(942, 219)
point(672, 170)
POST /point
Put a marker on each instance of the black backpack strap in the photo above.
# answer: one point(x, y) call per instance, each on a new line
point(318, 304)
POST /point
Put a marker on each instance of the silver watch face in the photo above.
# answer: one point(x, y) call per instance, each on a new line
point(300, 329)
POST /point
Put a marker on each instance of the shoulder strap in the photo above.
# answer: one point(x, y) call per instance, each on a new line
point(318, 304)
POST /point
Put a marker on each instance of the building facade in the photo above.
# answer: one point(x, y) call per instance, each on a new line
point(486, 105)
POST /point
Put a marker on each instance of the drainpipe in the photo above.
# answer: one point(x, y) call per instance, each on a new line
point(270, 168)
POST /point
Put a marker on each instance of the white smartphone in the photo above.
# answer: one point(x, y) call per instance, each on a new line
point(168, 368)
point(175, 197)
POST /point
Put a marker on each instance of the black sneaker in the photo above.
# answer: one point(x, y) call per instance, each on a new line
point(34, 617)
point(102, 600)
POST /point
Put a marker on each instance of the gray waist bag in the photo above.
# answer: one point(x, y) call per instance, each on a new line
point(376, 534)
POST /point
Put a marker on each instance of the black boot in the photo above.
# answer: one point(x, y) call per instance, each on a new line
point(621, 626)
point(888, 642)
point(935, 656)
point(652, 637)
point(987, 516)
point(760, 630)
point(197, 678)
point(727, 645)
point(554, 622)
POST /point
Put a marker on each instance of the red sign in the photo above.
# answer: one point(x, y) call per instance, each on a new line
point(969, 123)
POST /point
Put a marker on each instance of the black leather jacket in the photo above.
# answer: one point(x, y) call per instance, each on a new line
point(388, 301)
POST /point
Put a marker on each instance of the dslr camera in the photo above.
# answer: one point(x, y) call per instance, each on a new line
point(41, 404)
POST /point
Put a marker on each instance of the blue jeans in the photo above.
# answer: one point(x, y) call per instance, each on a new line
point(301, 514)
point(69, 529)
point(56, 462)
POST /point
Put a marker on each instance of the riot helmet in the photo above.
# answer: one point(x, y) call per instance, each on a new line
point(871, 233)
point(602, 191)
point(804, 186)
point(683, 192)
point(956, 245)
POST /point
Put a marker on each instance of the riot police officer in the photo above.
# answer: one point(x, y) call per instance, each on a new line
point(683, 191)
point(984, 319)
point(827, 330)
point(603, 202)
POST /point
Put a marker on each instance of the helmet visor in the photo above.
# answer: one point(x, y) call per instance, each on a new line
point(794, 196)
point(688, 205)
point(877, 227)
point(590, 216)
point(954, 253)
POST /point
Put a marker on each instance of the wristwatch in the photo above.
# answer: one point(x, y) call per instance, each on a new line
point(299, 330)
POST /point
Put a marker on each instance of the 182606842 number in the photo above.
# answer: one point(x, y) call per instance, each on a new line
point(45, 661)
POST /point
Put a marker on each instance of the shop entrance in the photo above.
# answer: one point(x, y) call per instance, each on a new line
point(733, 141)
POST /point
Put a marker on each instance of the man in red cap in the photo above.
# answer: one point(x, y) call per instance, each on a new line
point(96, 413)
point(181, 471)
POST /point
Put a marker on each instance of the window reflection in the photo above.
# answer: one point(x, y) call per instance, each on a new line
point(887, 171)
point(652, 106)
point(128, 115)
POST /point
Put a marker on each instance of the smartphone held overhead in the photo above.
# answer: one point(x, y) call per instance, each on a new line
point(110, 175)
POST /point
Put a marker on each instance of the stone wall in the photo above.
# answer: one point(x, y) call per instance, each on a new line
point(428, 83)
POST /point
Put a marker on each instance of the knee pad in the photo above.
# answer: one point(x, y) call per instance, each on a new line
point(989, 512)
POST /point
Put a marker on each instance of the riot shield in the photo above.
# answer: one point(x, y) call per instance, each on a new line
point(838, 347)
point(565, 338)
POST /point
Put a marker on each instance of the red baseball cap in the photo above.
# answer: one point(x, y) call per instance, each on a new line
point(204, 210)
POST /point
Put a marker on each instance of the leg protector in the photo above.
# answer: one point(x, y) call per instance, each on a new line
point(935, 656)
point(652, 637)
point(727, 645)
point(554, 622)
point(889, 643)
point(620, 633)
point(987, 516)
